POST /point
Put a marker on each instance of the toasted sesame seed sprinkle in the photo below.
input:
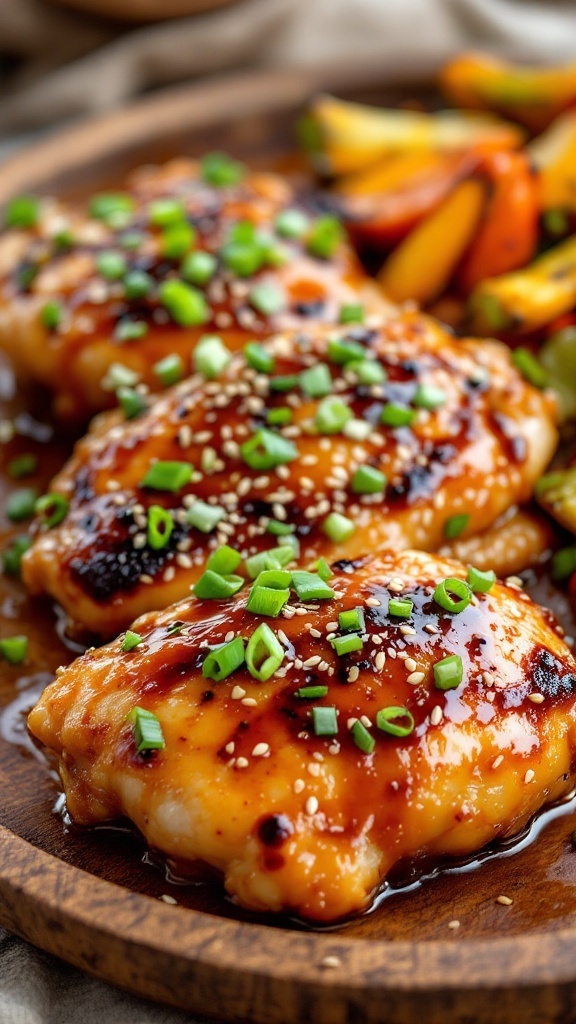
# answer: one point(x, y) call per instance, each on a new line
point(229, 748)
point(249, 702)
point(373, 602)
point(415, 678)
point(454, 925)
point(380, 660)
point(408, 630)
point(238, 693)
point(313, 769)
point(166, 898)
point(351, 722)
point(261, 749)
point(353, 674)
point(436, 715)
point(410, 664)
point(497, 761)
point(242, 762)
point(536, 698)
point(311, 805)
point(299, 785)
point(530, 775)
point(312, 662)
point(504, 900)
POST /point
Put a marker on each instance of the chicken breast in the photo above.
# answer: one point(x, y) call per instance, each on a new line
point(392, 728)
point(140, 275)
point(446, 440)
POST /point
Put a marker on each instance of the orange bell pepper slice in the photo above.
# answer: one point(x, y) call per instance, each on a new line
point(422, 265)
point(385, 218)
point(531, 95)
point(507, 237)
point(554, 155)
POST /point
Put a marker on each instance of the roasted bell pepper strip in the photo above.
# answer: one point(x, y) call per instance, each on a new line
point(554, 155)
point(507, 237)
point(534, 96)
point(527, 299)
point(422, 265)
point(385, 218)
point(343, 137)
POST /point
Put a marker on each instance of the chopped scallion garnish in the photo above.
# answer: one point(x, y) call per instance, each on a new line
point(352, 620)
point(167, 476)
point(311, 692)
point(258, 358)
point(14, 649)
point(224, 560)
point(22, 465)
point(266, 450)
point(455, 525)
point(198, 268)
point(394, 415)
point(130, 641)
point(211, 357)
point(264, 653)
point(453, 595)
point(529, 367)
point(448, 673)
point(213, 586)
point(148, 733)
point(325, 721)
point(428, 396)
point(185, 304)
point(52, 508)
point(224, 660)
point(396, 721)
point(362, 738)
point(160, 525)
point(400, 607)
point(347, 643)
point(169, 370)
point(309, 586)
point(204, 517)
point(338, 527)
point(267, 600)
point(316, 382)
point(331, 415)
point(481, 582)
point(20, 504)
point(368, 480)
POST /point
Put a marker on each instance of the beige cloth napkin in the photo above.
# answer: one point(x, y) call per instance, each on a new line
point(64, 65)
point(68, 64)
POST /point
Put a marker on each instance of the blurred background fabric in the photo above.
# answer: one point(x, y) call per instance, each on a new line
point(59, 60)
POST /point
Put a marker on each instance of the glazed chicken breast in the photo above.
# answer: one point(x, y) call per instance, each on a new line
point(138, 276)
point(393, 712)
point(340, 444)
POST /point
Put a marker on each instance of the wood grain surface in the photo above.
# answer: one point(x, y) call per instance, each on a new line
point(92, 897)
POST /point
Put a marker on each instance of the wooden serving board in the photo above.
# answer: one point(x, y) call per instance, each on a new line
point(93, 897)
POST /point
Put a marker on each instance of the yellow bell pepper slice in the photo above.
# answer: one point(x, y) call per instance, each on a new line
point(422, 265)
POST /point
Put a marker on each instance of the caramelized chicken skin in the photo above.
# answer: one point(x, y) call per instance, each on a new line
point(477, 447)
point(313, 823)
point(80, 290)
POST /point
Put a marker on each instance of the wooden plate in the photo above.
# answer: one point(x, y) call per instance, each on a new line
point(92, 898)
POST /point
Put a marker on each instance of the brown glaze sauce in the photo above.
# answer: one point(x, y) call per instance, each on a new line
point(38, 810)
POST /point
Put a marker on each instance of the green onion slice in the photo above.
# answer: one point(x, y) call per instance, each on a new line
point(352, 620)
point(14, 649)
point(130, 641)
point(346, 644)
point(264, 653)
point(212, 586)
point(52, 508)
point(396, 721)
point(455, 525)
point(159, 527)
point(224, 560)
point(400, 607)
point(266, 450)
point(362, 738)
point(481, 582)
point(267, 600)
point(167, 476)
point(453, 595)
point(325, 721)
point(224, 660)
point(148, 733)
point(448, 673)
point(310, 586)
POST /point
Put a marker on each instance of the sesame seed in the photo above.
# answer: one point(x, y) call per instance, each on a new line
point(166, 898)
point(312, 662)
point(238, 693)
point(241, 762)
point(311, 805)
point(530, 775)
point(353, 674)
point(299, 785)
point(351, 722)
point(313, 769)
point(488, 678)
point(436, 715)
point(229, 748)
point(430, 628)
point(315, 633)
point(331, 626)
point(415, 678)
point(504, 900)
point(261, 749)
point(497, 761)
point(407, 631)
point(331, 962)
point(454, 925)
point(366, 721)
point(380, 660)
point(536, 698)
point(373, 602)
point(411, 665)
point(334, 747)
point(249, 702)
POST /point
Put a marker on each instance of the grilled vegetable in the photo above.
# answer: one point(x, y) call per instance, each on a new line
point(558, 356)
point(525, 300)
point(556, 492)
point(421, 266)
point(531, 95)
point(507, 236)
point(384, 218)
point(343, 137)
point(554, 155)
